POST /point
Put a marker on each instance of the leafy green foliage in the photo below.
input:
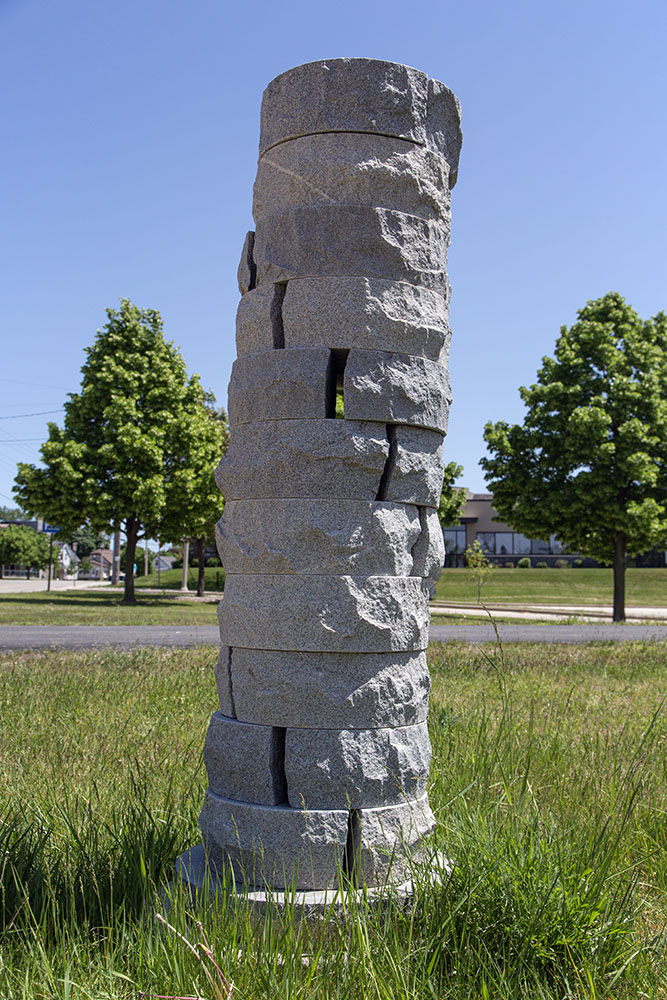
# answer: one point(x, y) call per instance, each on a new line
point(478, 566)
point(23, 546)
point(589, 462)
point(86, 539)
point(10, 513)
point(452, 498)
point(135, 443)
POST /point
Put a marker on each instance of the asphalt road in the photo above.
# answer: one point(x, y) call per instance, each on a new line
point(88, 636)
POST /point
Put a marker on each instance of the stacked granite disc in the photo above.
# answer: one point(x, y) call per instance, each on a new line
point(318, 758)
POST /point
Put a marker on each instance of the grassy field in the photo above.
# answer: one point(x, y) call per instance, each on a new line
point(555, 586)
point(548, 786)
point(103, 607)
point(171, 579)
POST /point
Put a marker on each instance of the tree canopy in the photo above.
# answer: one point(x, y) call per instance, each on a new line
point(589, 462)
point(23, 547)
point(452, 497)
point(133, 443)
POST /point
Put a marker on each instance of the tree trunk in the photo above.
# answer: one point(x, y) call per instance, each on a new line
point(132, 531)
point(186, 564)
point(619, 577)
point(201, 574)
point(115, 566)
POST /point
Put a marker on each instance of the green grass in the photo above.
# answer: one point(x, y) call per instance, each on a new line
point(555, 586)
point(171, 579)
point(547, 782)
point(103, 607)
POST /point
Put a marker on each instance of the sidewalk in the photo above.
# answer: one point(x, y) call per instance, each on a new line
point(16, 585)
point(555, 612)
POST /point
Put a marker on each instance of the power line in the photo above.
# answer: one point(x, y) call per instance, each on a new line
point(17, 440)
point(42, 413)
point(40, 385)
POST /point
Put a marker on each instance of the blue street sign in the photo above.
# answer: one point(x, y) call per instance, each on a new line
point(50, 531)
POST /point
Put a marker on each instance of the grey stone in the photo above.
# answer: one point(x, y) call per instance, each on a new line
point(337, 690)
point(345, 95)
point(223, 682)
point(356, 768)
point(305, 849)
point(240, 760)
point(279, 385)
point(418, 471)
point(308, 536)
point(428, 552)
point(352, 240)
point(396, 388)
point(347, 168)
point(275, 845)
point(390, 837)
point(348, 312)
point(304, 458)
point(324, 613)
point(362, 95)
point(247, 271)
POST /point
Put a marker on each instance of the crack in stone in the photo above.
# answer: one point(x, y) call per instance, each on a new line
point(250, 260)
point(335, 381)
point(278, 776)
point(390, 463)
point(352, 855)
point(276, 315)
point(417, 552)
point(229, 682)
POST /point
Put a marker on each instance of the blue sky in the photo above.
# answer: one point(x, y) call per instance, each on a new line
point(130, 136)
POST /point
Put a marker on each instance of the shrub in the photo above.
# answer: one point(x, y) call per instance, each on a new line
point(507, 565)
point(213, 561)
point(541, 565)
point(523, 563)
point(577, 563)
point(562, 564)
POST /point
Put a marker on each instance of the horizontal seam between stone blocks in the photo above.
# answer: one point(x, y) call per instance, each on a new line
point(346, 131)
point(294, 810)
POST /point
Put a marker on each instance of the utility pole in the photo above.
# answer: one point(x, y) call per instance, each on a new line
point(186, 559)
point(115, 566)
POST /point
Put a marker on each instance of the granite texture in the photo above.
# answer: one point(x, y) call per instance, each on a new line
point(246, 275)
point(352, 240)
point(239, 759)
point(418, 471)
point(347, 614)
point(356, 768)
point(281, 846)
point(428, 552)
point(396, 388)
point(309, 536)
point(336, 690)
point(304, 458)
point(362, 95)
point(346, 168)
point(279, 385)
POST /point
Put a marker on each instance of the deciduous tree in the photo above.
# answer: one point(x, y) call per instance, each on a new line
point(23, 547)
point(124, 457)
point(452, 498)
point(589, 462)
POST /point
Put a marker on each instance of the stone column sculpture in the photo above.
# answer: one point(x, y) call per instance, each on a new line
point(318, 758)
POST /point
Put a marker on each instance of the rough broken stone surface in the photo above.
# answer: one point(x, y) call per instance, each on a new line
point(346, 614)
point(247, 272)
point(279, 385)
point(311, 536)
point(304, 458)
point(339, 690)
point(352, 240)
point(240, 761)
point(352, 169)
point(428, 552)
point(356, 768)
point(418, 473)
point(281, 846)
point(362, 95)
point(396, 388)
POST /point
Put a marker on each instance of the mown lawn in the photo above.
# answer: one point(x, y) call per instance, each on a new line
point(555, 586)
point(103, 607)
point(171, 579)
point(548, 783)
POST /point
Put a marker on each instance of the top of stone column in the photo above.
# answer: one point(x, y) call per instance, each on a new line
point(362, 95)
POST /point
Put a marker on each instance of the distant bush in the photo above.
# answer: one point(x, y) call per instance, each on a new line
point(213, 561)
point(507, 565)
point(541, 565)
point(562, 564)
point(524, 563)
point(577, 563)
